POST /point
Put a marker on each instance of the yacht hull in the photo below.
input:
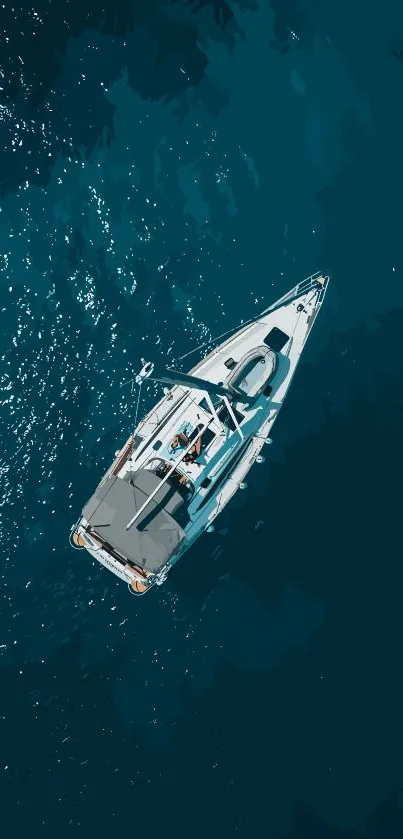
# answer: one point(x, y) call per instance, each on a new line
point(238, 426)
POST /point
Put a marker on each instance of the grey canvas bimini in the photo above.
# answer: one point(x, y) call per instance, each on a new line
point(156, 534)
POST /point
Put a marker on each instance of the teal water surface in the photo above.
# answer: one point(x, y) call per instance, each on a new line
point(168, 169)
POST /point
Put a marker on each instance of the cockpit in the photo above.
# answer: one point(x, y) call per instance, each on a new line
point(178, 480)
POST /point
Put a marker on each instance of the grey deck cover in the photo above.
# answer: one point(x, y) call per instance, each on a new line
point(152, 539)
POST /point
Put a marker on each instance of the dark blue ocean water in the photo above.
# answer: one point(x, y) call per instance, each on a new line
point(167, 169)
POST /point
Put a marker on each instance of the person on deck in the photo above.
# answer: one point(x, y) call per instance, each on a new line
point(194, 452)
point(179, 441)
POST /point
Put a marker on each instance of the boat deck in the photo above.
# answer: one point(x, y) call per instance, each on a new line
point(154, 501)
point(188, 419)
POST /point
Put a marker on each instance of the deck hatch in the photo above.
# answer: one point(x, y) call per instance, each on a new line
point(225, 417)
point(276, 339)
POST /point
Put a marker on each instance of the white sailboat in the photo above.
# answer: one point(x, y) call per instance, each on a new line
point(193, 450)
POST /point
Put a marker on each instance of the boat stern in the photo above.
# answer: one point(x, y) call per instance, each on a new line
point(138, 581)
